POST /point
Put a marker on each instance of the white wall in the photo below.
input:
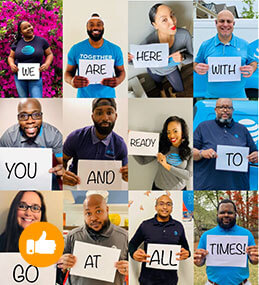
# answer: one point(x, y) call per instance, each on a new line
point(142, 207)
point(149, 115)
point(115, 15)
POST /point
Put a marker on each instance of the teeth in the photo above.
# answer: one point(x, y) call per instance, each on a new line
point(28, 220)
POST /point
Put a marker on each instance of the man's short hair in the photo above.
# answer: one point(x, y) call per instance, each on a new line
point(226, 201)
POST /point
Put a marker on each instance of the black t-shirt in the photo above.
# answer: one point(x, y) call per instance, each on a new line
point(30, 52)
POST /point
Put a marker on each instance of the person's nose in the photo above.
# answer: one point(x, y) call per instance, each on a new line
point(30, 120)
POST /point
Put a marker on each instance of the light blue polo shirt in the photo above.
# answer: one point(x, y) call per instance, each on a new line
point(84, 50)
point(215, 48)
point(221, 274)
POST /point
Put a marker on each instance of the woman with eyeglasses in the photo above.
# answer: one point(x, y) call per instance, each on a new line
point(29, 48)
point(27, 207)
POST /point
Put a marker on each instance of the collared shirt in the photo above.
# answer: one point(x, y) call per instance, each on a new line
point(209, 134)
point(48, 137)
point(84, 51)
point(215, 48)
point(84, 144)
point(153, 231)
point(227, 274)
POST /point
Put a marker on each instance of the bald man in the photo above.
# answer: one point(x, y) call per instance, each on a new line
point(31, 131)
point(100, 231)
point(225, 44)
point(161, 229)
point(221, 131)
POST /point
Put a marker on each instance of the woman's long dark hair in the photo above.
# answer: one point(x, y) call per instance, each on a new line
point(12, 230)
point(19, 33)
point(152, 12)
point(165, 144)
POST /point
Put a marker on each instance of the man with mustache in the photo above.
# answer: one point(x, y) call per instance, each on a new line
point(100, 231)
point(31, 131)
point(95, 142)
point(221, 131)
point(94, 48)
point(225, 44)
point(221, 275)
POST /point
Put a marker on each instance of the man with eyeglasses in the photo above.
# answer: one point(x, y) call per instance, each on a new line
point(31, 131)
point(221, 131)
point(227, 274)
point(162, 229)
point(225, 44)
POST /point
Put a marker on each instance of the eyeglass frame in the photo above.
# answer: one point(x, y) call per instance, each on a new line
point(225, 107)
point(30, 115)
point(28, 207)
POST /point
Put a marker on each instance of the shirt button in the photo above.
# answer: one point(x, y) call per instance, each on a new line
point(163, 231)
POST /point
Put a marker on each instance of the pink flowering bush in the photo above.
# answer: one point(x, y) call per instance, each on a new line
point(46, 18)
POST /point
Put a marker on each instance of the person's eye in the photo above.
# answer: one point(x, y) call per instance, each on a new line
point(88, 214)
point(98, 212)
point(36, 207)
point(109, 113)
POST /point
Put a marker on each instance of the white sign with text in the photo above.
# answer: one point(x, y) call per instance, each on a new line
point(95, 261)
point(152, 55)
point(96, 70)
point(163, 256)
point(232, 158)
point(17, 271)
point(143, 143)
point(226, 250)
point(28, 71)
point(223, 69)
point(25, 168)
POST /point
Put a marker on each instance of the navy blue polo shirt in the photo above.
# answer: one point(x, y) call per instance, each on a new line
point(153, 231)
point(83, 144)
point(209, 134)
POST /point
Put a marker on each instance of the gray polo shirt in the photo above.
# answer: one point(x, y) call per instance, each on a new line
point(48, 137)
point(113, 237)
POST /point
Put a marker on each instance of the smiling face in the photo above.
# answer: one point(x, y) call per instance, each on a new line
point(224, 109)
point(164, 207)
point(95, 29)
point(165, 21)
point(31, 126)
point(226, 216)
point(174, 133)
point(96, 212)
point(26, 218)
point(26, 30)
point(225, 25)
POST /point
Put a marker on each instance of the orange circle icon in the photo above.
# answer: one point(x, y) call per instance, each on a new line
point(41, 244)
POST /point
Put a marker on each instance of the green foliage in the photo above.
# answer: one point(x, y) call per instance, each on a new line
point(249, 12)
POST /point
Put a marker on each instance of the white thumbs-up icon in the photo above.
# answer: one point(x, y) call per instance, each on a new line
point(41, 246)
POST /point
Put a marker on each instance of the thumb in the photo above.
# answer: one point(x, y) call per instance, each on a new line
point(43, 236)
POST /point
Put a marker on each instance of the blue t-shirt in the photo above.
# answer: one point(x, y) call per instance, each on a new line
point(223, 274)
point(209, 134)
point(83, 144)
point(84, 50)
point(215, 48)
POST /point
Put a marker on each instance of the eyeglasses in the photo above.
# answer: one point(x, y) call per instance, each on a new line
point(24, 207)
point(224, 107)
point(34, 116)
point(168, 204)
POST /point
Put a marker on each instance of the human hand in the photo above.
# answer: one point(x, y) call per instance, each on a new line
point(162, 160)
point(247, 70)
point(253, 253)
point(209, 153)
point(199, 256)
point(57, 170)
point(124, 172)
point(70, 178)
point(14, 67)
point(253, 157)
point(66, 261)
point(201, 68)
point(183, 254)
point(111, 82)
point(177, 56)
point(79, 82)
point(122, 266)
point(130, 57)
point(44, 67)
point(140, 255)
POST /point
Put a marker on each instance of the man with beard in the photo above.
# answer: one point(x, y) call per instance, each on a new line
point(221, 131)
point(94, 48)
point(95, 142)
point(100, 231)
point(226, 44)
point(161, 229)
point(31, 131)
point(230, 275)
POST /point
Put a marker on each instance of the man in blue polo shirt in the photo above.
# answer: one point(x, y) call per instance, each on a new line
point(94, 48)
point(161, 229)
point(221, 131)
point(95, 142)
point(225, 44)
point(227, 275)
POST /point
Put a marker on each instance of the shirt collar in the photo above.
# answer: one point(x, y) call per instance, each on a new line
point(106, 233)
point(222, 125)
point(233, 229)
point(232, 41)
point(95, 139)
point(157, 223)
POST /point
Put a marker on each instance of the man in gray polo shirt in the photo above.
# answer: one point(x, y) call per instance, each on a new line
point(31, 131)
point(100, 231)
